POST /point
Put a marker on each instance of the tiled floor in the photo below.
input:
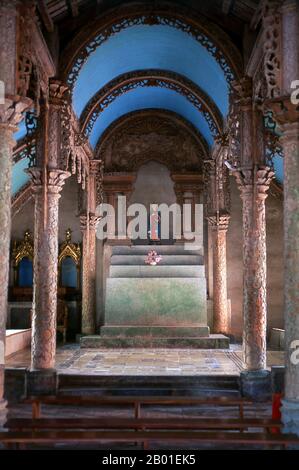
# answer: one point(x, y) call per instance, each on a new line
point(70, 359)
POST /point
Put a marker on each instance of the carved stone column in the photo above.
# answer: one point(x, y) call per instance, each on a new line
point(253, 179)
point(6, 147)
point(88, 228)
point(48, 177)
point(253, 184)
point(45, 268)
point(221, 320)
point(10, 116)
point(287, 115)
point(290, 140)
point(217, 209)
point(11, 109)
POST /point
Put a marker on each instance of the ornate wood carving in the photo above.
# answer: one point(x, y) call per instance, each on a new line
point(152, 135)
point(163, 13)
point(23, 249)
point(151, 78)
point(69, 249)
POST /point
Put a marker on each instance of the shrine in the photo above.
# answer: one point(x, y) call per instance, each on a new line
point(174, 120)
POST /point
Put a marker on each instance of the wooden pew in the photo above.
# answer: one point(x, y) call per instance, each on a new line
point(22, 424)
point(70, 437)
point(135, 401)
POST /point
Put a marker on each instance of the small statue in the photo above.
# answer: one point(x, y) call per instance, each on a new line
point(153, 258)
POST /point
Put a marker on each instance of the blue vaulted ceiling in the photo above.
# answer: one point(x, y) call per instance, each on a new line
point(146, 47)
point(151, 47)
point(150, 97)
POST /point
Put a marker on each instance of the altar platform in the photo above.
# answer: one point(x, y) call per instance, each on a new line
point(17, 340)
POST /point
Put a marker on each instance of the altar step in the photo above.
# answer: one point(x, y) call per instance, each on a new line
point(181, 342)
point(149, 385)
point(155, 331)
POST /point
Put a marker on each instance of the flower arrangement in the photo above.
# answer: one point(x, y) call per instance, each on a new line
point(153, 258)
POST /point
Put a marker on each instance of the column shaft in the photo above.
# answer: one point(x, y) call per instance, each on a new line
point(6, 147)
point(291, 254)
point(45, 269)
point(89, 275)
point(221, 320)
point(254, 184)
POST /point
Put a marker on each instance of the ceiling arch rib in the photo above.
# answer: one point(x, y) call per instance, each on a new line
point(178, 92)
point(145, 98)
point(98, 31)
point(151, 47)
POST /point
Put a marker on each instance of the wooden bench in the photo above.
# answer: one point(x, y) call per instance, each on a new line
point(22, 424)
point(135, 401)
point(232, 438)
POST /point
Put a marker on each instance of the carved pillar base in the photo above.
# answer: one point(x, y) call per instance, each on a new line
point(287, 115)
point(221, 320)
point(3, 413)
point(89, 274)
point(256, 385)
point(10, 116)
point(290, 416)
point(45, 267)
point(42, 382)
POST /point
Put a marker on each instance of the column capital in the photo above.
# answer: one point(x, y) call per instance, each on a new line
point(57, 92)
point(92, 220)
point(95, 167)
point(55, 179)
point(219, 223)
point(244, 92)
point(249, 179)
point(11, 112)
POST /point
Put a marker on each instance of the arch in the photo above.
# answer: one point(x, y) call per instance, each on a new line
point(144, 113)
point(100, 29)
point(151, 78)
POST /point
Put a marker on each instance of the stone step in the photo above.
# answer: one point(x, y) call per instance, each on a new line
point(157, 271)
point(149, 385)
point(176, 260)
point(208, 342)
point(154, 331)
point(156, 301)
point(161, 249)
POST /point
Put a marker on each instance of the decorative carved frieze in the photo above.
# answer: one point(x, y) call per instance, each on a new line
point(11, 113)
point(101, 29)
point(152, 134)
point(284, 111)
point(151, 78)
point(244, 90)
point(272, 47)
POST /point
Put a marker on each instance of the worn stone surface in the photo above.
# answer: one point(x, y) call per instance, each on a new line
point(201, 342)
point(41, 382)
point(170, 331)
point(156, 301)
point(256, 385)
